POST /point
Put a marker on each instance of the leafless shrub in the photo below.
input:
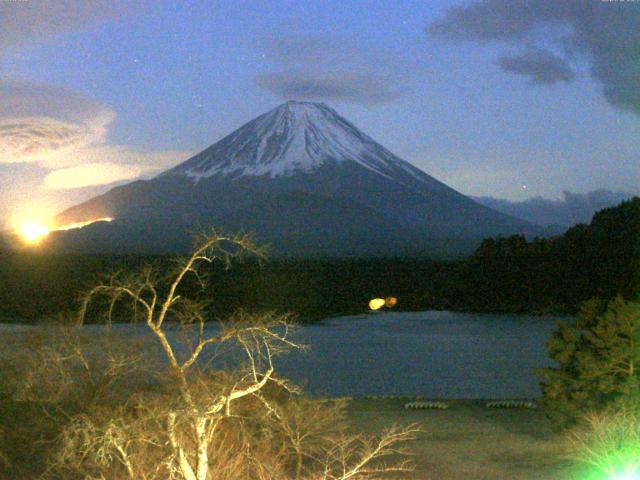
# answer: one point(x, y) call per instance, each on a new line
point(59, 364)
point(360, 457)
point(203, 419)
point(51, 377)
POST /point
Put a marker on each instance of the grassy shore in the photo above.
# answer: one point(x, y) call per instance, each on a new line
point(470, 441)
point(465, 441)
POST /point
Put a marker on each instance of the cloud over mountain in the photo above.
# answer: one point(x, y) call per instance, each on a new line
point(351, 87)
point(329, 68)
point(604, 34)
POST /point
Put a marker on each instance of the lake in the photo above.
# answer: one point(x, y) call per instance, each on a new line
point(437, 354)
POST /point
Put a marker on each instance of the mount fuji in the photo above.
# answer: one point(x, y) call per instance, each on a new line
point(304, 180)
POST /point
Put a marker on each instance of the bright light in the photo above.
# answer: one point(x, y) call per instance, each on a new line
point(376, 303)
point(32, 232)
point(626, 476)
point(72, 226)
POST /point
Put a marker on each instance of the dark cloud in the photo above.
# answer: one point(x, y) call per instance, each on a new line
point(573, 208)
point(347, 87)
point(322, 67)
point(605, 33)
point(542, 66)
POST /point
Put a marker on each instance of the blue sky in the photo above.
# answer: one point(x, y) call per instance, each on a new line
point(97, 92)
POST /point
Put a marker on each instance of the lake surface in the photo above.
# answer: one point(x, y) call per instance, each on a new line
point(436, 354)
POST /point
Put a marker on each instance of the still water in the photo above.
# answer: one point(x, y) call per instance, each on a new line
point(436, 354)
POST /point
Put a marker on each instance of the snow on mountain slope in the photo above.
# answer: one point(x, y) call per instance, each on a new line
point(293, 138)
point(300, 177)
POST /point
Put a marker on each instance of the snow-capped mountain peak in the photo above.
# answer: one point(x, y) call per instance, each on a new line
point(301, 178)
point(292, 138)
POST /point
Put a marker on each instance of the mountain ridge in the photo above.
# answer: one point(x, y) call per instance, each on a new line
point(243, 182)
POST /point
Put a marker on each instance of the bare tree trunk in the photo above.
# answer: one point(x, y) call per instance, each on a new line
point(203, 443)
point(183, 463)
point(348, 458)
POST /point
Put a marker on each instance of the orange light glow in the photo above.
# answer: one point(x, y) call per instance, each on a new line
point(390, 302)
point(33, 233)
point(71, 226)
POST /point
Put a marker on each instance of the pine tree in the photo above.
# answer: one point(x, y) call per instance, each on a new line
point(598, 361)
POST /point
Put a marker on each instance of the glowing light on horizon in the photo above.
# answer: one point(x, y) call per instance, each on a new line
point(33, 232)
point(74, 225)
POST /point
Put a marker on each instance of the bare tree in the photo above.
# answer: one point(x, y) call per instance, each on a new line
point(233, 420)
point(52, 377)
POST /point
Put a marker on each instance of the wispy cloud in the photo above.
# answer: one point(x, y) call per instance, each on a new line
point(23, 22)
point(351, 87)
point(606, 34)
point(323, 67)
point(30, 139)
point(65, 133)
point(569, 210)
point(39, 123)
point(89, 174)
point(104, 165)
point(541, 66)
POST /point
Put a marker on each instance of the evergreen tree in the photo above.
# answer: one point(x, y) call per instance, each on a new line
point(598, 361)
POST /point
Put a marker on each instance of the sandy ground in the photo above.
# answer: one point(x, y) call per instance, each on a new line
point(469, 441)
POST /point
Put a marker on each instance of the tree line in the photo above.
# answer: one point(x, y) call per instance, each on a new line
point(601, 259)
point(504, 275)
